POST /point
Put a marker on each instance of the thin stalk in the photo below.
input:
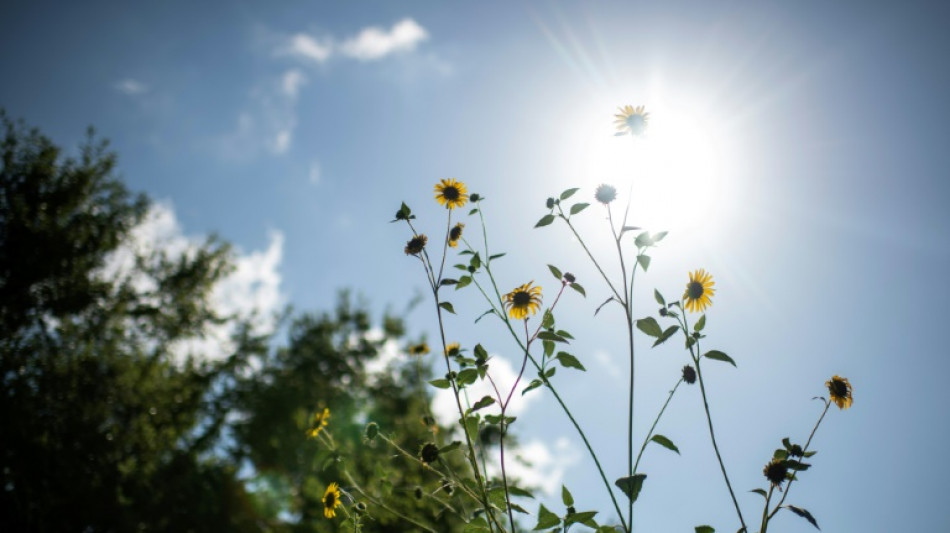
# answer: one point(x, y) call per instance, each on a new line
point(655, 422)
point(380, 503)
point(765, 510)
point(805, 449)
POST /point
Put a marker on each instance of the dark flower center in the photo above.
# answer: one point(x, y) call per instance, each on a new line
point(330, 499)
point(521, 299)
point(450, 193)
point(695, 290)
point(838, 388)
point(455, 233)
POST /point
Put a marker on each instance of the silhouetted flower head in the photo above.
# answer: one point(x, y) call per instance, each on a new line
point(840, 390)
point(776, 471)
point(689, 374)
point(605, 194)
point(416, 244)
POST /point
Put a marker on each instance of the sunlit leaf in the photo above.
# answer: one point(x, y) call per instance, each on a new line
point(719, 356)
point(700, 324)
point(484, 402)
point(535, 383)
point(566, 496)
point(556, 272)
point(546, 519)
point(440, 383)
point(569, 361)
point(568, 193)
point(577, 208)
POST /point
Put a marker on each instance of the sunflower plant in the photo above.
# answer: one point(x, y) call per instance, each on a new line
point(489, 502)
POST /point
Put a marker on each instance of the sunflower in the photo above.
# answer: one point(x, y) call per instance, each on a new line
point(418, 349)
point(699, 291)
point(331, 500)
point(416, 244)
point(840, 390)
point(320, 421)
point(632, 120)
point(776, 471)
point(522, 301)
point(453, 348)
point(605, 194)
point(455, 234)
point(451, 193)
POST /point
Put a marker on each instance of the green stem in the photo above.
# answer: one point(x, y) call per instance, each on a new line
point(765, 510)
point(655, 422)
point(380, 503)
point(805, 449)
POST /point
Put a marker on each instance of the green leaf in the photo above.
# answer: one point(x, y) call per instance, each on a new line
point(556, 271)
point(643, 240)
point(583, 517)
point(545, 220)
point(657, 237)
point(780, 454)
point(700, 324)
point(448, 281)
point(551, 336)
point(577, 208)
point(760, 492)
point(495, 256)
point(797, 466)
point(548, 347)
point(473, 211)
point(566, 496)
point(569, 361)
point(548, 320)
point(644, 261)
point(810, 453)
point(484, 402)
point(665, 442)
point(467, 376)
point(450, 447)
point(550, 372)
point(448, 307)
point(477, 525)
point(649, 326)
point(667, 333)
point(628, 228)
point(705, 529)
point(568, 193)
point(480, 352)
point(804, 514)
point(476, 261)
point(787, 442)
point(481, 316)
point(601, 306)
point(564, 334)
point(659, 297)
point(546, 519)
point(440, 383)
point(719, 356)
point(535, 383)
point(464, 281)
point(631, 485)
point(577, 287)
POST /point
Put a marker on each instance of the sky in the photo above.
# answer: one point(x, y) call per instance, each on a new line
point(797, 151)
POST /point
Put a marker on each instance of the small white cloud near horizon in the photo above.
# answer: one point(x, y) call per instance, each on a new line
point(130, 87)
point(374, 43)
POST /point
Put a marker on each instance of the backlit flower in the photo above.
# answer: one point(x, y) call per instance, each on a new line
point(452, 349)
point(320, 421)
point(523, 301)
point(451, 193)
point(699, 291)
point(605, 193)
point(840, 390)
point(776, 471)
point(632, 120)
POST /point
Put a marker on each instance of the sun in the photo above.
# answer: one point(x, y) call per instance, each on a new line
point(673, 172)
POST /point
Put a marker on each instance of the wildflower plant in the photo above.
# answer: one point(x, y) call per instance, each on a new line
point(527, 312)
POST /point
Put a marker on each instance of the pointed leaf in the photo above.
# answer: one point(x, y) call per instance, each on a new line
point(448, 307)
point(440, 383)
point(719, 356)
point(644, 261)
point(760, 492)
point(667, 333)
point(628, 228)
point(556, 272)
point(665, 442)
point(649, 326)
point(601, 306)
point(569, 361)
point(804, 514)
point(631, 485)
point(489, 312)
point(535, 383)
point(448, 281)
point(700, 324)
point(577, 287)
point(464, 281)
point(566, 496)
point(568, 193)
point(659, 297)
point(657, 237)
point(705, 529)
point(545, 220)
point(484, 402)
point(495, 256)
point(577, 208)
point(548, 320)
point(546, 519)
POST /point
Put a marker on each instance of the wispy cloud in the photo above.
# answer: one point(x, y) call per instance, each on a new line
point(292, 81)
point(268, 121)
point(306, 47)
point(314, 173)
point(375, 43)
point(130, 87)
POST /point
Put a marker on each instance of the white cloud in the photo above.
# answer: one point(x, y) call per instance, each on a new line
point(269, 120)
point(292, 81)
point(501, 371)
point(535, 464)
point(375, 43)
point(281, 142)
point(314, 172)
point(131, 87)
point(250, 292)
point(306, 47)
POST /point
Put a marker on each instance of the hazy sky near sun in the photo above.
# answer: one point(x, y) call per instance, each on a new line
point(799, 154)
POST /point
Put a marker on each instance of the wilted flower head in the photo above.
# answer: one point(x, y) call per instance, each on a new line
point(605, 193)
point(455, 234)
point(632, 120)
point(416, 244)
point(840, 390)
point(776, 471)
point(689, 374)
point(451, 193)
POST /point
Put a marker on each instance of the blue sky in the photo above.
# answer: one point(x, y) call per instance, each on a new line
point(803, 162)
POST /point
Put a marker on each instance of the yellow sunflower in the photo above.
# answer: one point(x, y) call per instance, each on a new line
point(320, 421)
point(451, 193)
point(331, 500)
point(632, 120)
point(523, 301)
point(418, 349)
point(840, 390)
point(699, 291)
point(453, 348)
point(455, 234)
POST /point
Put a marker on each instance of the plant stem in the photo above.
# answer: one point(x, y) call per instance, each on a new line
point(805, 449)
point(655, 422)
point(380, 503)
point(765, 510)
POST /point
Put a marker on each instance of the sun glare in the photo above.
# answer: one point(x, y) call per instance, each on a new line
point(672, 172)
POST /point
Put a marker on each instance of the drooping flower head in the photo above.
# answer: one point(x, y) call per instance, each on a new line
point(451, 193)
point(416, 244)
point(523, 301)
point(776, 471)
point(605, 193)
point(331, 500)
point(632, 120)
point(455, 234)
point(699, 291)
point(320, 421)
point(840, 390)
